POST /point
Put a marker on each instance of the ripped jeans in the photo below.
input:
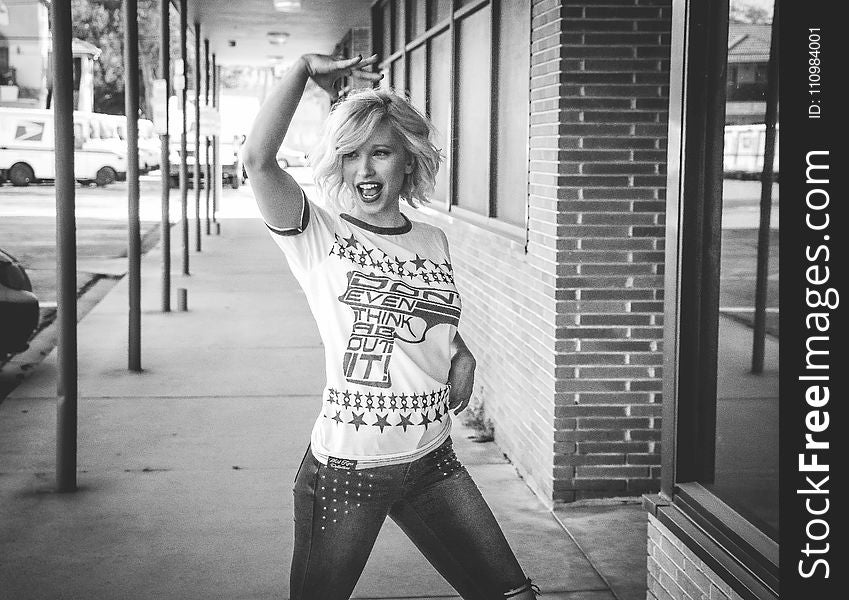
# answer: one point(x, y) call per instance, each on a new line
point(339, 513)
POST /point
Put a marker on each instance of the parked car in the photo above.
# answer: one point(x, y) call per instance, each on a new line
point(19, 309)
point(289, 157)
point(230, 155)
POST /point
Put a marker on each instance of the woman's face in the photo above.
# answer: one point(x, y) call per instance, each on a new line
point(375, 171)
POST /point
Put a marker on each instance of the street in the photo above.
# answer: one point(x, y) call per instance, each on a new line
point(740, 217)
point(28, 230)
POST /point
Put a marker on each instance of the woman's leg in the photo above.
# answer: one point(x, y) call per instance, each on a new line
point(445, 515)
point(338, 514)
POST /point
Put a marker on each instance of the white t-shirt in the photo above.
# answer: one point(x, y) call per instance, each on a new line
point(387, 309)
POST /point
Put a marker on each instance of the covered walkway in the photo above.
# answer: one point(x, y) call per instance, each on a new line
point(185, 468)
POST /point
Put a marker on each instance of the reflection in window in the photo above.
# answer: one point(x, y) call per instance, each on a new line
point(746, 466)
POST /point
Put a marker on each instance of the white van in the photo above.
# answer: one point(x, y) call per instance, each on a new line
point(27, 149)
point(113, 128)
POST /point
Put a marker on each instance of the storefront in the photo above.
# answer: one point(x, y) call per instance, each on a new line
point(620, 279)
point(714, 527)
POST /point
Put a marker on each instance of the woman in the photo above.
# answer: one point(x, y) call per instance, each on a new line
point(381, 288)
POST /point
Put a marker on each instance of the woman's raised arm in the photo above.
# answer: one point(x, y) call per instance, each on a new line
point(276, 192)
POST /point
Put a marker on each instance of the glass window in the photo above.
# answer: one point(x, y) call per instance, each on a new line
point(79, 138)
point(511, 146)
point(417, 77)
point(78, 72)
point(398, 75)
point(481, 122)
point(4, 60)
point(746, 463)
point(398, 39)
point(437, 10)
point(388, 46)
point(416, 21)
point(439, 96)
point(473, 112)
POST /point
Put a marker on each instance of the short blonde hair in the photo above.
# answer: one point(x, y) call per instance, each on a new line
point(353, 120)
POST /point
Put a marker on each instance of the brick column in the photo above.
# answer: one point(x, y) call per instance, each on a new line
point(600, 89)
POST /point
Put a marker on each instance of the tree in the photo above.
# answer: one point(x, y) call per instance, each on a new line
point(756, 13)
point(100, 22)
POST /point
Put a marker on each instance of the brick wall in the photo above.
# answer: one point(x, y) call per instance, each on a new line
point(609, 64)
point(675, 573)
point(568, 334)
point(508, 322)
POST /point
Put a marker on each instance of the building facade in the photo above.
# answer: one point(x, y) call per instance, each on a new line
point(552, 118)
point(24, 52)
point(620, 289)
point(25, 58)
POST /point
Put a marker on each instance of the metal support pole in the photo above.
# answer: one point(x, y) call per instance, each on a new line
point(184, 135)
point(761, 275)
point(207, 163)
point(66, 242)
point(216, 154)
point(131, 106)
point(197, 137)
point(165, 159)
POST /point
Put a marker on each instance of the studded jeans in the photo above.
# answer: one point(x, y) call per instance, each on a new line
point(339, 513)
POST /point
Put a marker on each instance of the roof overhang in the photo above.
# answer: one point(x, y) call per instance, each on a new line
point(238, 30)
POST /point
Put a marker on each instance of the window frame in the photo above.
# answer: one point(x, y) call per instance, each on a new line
point(734, 547)
point(399, 9)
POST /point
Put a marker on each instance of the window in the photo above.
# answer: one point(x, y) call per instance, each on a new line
point(722, 338)
point(466, 64)
point(745, 473)
point(472, 110)
point(78, 70)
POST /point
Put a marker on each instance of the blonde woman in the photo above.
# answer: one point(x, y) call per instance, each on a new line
point(381, 288)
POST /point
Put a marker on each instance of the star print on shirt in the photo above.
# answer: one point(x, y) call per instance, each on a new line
point(351, 241)
point(382, 421)
point(419, 262)
point(355, 251)
point(405, 421)
point(357, 420)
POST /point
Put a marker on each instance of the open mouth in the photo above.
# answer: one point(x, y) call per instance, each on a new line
point(369, 191)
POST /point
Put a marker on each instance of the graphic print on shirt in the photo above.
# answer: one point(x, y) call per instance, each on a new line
point(386, 309)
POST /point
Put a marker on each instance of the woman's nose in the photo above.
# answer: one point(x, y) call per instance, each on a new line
point(365, 166)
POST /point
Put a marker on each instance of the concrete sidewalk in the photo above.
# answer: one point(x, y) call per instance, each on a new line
point(185, 469)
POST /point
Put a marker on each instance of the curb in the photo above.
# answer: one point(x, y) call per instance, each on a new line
point(14, 371)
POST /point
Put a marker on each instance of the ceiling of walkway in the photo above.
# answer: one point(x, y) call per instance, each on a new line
point(317, 26)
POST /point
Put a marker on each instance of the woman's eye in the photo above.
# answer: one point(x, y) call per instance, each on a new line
point(381, 152)
point(349, 156)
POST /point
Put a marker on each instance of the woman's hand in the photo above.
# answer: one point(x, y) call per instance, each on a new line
point(461, 376)
point(326, 70)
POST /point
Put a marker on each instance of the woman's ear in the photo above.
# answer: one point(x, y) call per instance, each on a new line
point(410, 165)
